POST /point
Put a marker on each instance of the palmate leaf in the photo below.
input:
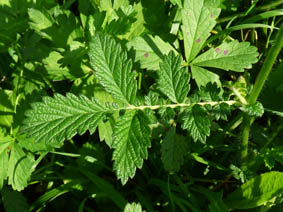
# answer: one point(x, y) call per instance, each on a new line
point(131, 138)
point(197, 122)
point(59, 118)
point(149, 50)
point(232, 56)
point(198, 18)
point(173, 78)
point(112, 68)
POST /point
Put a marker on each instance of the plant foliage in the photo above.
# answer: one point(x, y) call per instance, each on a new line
point(153, 91)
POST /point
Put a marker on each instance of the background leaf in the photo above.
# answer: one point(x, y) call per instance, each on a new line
point(173, 150)
point(215, 198)
point(272, 94)
point(173, 78)
point(256, 191)
point(14, 201)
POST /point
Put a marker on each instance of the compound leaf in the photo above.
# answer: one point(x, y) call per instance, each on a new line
point(173, 150)
point(130, 141)
point(59, 118)
point(112, 68)
point(198, 18)
point(197, 122)
point(256, 192)
point(232, 56)
point(173, 78)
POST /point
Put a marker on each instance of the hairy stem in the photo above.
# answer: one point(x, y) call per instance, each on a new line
point(156, 107)
point(259, 83)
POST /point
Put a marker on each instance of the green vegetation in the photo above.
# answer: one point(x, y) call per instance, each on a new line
point(141, 105)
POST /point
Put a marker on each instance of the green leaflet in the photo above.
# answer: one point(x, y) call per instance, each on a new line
point(89, 87)
point(232, 56)
point(198, 18)
point(203, 76)
point(197, 122)
point(112, 68)
point(130, 142)
point(255, 110)
point(40, 20)
point(59, 118)
point(173, 78)
point(149, 50)
point(256, 192)
point(173, 150)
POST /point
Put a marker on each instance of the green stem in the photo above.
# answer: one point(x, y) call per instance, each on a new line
point(257, 9)
point(259, 83)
